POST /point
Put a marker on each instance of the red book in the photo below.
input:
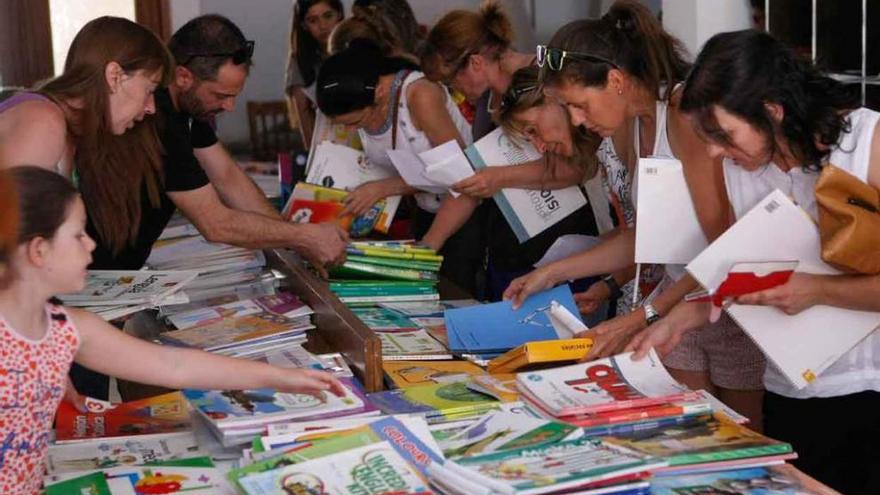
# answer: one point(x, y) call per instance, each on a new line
point(158, 415)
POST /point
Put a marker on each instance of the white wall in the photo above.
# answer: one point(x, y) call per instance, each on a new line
point(695, 21)
point(67, 18)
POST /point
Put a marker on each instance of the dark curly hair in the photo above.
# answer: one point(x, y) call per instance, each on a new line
point(742, 71)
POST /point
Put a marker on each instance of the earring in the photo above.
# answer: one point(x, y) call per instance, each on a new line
point(619, 91)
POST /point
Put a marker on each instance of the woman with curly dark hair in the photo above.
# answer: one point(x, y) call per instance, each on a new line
point(776, 121)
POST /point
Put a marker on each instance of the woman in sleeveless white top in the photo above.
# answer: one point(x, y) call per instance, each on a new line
point(777, 120)
point(409, 137)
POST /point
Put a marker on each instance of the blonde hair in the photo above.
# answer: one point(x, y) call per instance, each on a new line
point(525, 92)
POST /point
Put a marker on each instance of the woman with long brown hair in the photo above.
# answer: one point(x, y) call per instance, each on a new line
point(93, 123)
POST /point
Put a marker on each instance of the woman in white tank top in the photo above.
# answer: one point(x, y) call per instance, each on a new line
point(617, 78)
point(776, 121)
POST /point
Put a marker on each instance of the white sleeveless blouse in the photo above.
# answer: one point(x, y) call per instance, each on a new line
point(411, 138)
point(859, 369)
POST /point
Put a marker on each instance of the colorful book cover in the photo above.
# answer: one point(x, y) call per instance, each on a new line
point(229, 332)
point(554, 467)
point(148, 480)
point(414, 373)
point(752, 481)
point(607, 384)
point(410, 447)
point(383, 319)
point(541, 352)
point(499, 430)
point(445, 399)
point(376, 468)
point(237, 409)
point(162, 414)
point(416, 344)
point(378, 217)
point(703, 439)
point(107, 453)
point(90, 484)
point(309, 211)
point(497, 327)
point(638, 414)
point(283, 303)
point(430, 266)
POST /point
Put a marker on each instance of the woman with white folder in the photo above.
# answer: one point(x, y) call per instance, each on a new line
point(618, 76)
point(776, 121)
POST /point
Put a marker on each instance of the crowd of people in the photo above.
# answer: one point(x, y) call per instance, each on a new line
point(95, 161)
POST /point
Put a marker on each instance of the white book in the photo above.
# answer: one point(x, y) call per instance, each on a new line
point(106, 453)
point(801, 346)
point(106, 287)
point(608, 384)
point(528, 211)
point(667, 228)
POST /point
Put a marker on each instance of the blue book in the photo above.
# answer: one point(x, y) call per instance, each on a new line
point(497, 328)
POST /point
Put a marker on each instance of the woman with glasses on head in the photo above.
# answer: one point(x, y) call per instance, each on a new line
point(619, 77)
point(776, 121)
point(471, 53)
point(310, 28)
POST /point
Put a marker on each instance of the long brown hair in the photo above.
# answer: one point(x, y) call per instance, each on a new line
point(461, 33)
point(112, 170)
point(525, 92)
point(630, 37)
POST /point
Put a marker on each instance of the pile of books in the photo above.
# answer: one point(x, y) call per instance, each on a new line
point(112, 294)
point(242, 328)
point(392, 271)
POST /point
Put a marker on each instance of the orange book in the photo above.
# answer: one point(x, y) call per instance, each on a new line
point(162, 414)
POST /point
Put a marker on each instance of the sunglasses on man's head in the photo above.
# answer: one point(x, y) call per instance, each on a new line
point(239, 56)
point(554, 58)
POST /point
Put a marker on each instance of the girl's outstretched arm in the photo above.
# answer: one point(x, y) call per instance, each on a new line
point(110, 351)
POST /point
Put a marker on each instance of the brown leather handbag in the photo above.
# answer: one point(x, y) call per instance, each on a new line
point(849, 221)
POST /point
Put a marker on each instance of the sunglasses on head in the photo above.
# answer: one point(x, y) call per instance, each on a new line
point(514, 94)
point(239, 56)
point(554, 58)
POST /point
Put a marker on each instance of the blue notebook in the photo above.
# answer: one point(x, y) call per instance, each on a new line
point(496, 327)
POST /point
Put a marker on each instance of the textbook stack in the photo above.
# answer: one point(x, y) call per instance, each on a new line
point(112, 294)
point(380, 272)
point(242, 328)
point(225, 273)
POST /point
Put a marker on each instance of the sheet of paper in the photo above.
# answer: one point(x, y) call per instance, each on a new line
point(412, 170)
point(566, 246)
point(667, 229)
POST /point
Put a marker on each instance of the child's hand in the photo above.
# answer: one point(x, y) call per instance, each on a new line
point(312, 382)
point(72, 396)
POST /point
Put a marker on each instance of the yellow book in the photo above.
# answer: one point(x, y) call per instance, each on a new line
point(413, 373)
point(543, 351)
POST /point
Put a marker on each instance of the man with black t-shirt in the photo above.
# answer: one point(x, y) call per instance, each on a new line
point(200, 177)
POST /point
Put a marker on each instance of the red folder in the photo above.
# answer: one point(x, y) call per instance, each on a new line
point(745, 278)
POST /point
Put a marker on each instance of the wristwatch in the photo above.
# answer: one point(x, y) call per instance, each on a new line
point(651, 314)
point(613, 286)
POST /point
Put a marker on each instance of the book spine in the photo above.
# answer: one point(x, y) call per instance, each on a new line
point(384, 271)
point(626, 404)
point(396, 298)
point(623, 416)
point(746, 453)
point(411, 264)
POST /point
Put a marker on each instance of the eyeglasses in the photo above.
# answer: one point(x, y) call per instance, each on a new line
point(554, 58)
point(239, 56)
point(514, 94)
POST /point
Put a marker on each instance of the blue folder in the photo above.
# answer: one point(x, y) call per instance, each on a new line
point(496, 327)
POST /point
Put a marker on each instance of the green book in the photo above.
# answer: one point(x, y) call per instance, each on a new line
point(347, 284)
point(367, 291)
point(411, 264)
point(355, 269)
